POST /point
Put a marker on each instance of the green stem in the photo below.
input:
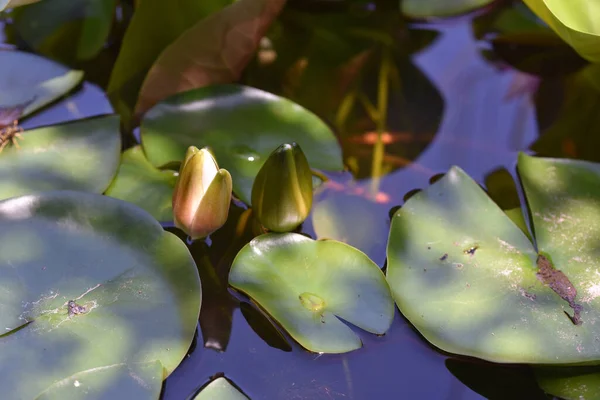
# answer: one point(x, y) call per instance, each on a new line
point(382, 105)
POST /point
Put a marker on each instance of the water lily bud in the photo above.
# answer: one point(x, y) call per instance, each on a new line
point(202, 194)
point(282, 192)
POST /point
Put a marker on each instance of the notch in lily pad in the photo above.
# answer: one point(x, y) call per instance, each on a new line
point(310, 286)
point(509, 301)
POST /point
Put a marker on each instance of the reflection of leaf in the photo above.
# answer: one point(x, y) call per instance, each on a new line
point(80, 155)
point(138, 285)
point(501, 187)
point(140, 183)
point(570, 383)
point(48, 25)
point(440, 8)
point(263, 327)
point(308, 286)
point(574, 131)
point(242, 125)
point(135, 381)
point(220, 389)
point(574, 22)
point(471, 281)
point(496, 381)
point(144, 41)
point(27, 78)
point(229, 39)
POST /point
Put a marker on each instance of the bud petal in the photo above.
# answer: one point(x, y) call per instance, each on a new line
point(202, 194)
point(282, 191)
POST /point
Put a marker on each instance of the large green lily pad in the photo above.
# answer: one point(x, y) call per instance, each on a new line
point(140, 381)
point(32, 81)
point(471, 281)
point(308, 285)
point(142, 184)
point(220, 389)
point(570, 383)
point(82, 155)
point(242, 125)
point(440, 8)
point(138, 285)
point(574, 21)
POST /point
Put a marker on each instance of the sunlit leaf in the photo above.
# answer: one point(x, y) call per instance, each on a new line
point(139, 182)
point(32, 81)
point(141, 381)
point(49, 25)
point(308, 286)
point(471, 281)
point(81, 155)
point(574, 21)
point(242, 125)
point(570, 383)
point(220, 389)
point(440, 8)
point(154, 26)
point(223, 44)
point(135, 289)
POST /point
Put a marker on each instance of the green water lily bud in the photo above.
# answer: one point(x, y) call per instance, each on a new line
point(202, 194)
point(282, 192)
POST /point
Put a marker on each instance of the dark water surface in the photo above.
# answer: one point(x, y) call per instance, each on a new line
point(487, 119)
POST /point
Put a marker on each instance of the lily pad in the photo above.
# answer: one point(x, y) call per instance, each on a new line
point(570, 383)
point(82, 155)
point(87, 281)
point(220, 389)
point(574, 21)
point(308, 286)
point(121, 381)
point(440, 8)
point(4, 4)
point(242, 125)
point(140, 183)
point(32, 81)
point(471, 281)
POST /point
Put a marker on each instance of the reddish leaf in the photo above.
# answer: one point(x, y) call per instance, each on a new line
point(215, 50)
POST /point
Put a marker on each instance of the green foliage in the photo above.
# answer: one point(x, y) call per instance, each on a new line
point(220, 389)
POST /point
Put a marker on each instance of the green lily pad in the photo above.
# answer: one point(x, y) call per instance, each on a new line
point(4, 4)
point(242, 125)
point(82, 155)
point(440, 8)
point(48, 25)
point(220, 389)
point(135, 289)
point(308, 285)
point(471, 281)
point(140, 183)
point(574, 22)
point(32, 81)
point(141, 381)
point(570, 383)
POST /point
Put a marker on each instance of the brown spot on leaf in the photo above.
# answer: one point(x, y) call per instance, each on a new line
point(444, 257)
point(560, 284)
point(471, 250)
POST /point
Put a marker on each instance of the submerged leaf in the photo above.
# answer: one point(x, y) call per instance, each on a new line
point(223, 45)
point(308, 286)
point(440, 8)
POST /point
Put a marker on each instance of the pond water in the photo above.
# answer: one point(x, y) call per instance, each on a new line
point(488, 117)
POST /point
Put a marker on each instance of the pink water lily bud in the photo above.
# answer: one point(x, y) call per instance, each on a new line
point(202, 194)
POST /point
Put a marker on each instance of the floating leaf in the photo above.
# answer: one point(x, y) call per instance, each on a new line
point(440, 8)
point(48, 25)
point(136, 381)
point(81, 155)
point(88, 281)
point(33, 81)
point(472, 283)
point(242, 126)
point(223, 45)
point(308, 285)
point(144, 42)
point(570, 383)
point(220, 389)
point(574, 21)
point(140, 183)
